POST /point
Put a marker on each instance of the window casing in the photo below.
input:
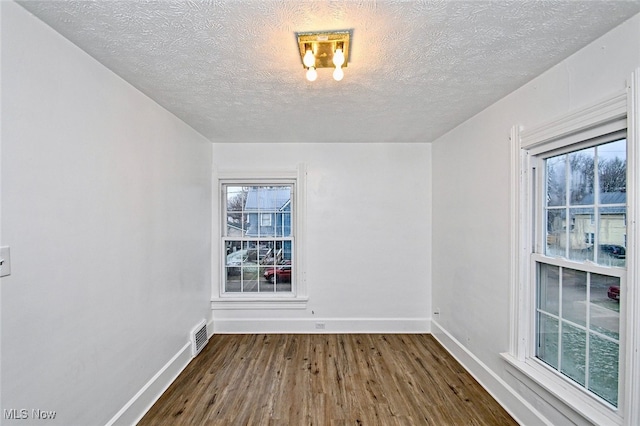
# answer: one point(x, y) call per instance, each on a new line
point(260, 236)
point(557, 243)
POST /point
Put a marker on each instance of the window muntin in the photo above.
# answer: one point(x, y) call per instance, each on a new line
point(583, 224)
point(258, 240)
point(578, 327)
point(579, 273)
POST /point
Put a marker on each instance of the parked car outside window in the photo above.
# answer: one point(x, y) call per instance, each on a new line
point(279, 273)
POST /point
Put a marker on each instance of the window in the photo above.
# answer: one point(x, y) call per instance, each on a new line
point(260, 232)
point(258, 240)
point(574, 302)
point(265, 219)
point(578, 280)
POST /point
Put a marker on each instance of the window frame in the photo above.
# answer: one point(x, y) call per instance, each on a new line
point(611, 114)
point(538, 256)
point(298, 297)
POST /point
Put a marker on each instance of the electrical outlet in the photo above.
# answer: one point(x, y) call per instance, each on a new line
point(320, 326)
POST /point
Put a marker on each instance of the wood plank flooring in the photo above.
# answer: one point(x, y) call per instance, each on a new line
point(325, 379)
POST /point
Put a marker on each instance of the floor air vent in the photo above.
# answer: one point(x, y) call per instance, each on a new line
point(199, 338)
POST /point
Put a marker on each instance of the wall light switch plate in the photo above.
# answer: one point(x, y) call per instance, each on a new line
point(5, 261)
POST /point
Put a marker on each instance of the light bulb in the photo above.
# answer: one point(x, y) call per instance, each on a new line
point(312, 74)
point(309, 60)
point(338, 58)
point(338, 74)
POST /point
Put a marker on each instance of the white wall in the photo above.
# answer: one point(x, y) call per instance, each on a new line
point(368, 236)
point(471, 198)
point(106, 208)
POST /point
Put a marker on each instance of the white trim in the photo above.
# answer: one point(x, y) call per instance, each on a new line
point(611, 110)
point(224, 303)
point(631, 303)
point(518, 407)
point(514, 232)
point(575, 399)
point(331, 325)
point(295, 176)
point(143, 400)
point(210, 332)
point(520, 242)
point(594, 268)
point(216, 268)
point(615, 113)
point(301, 234)
point(3, 281)
point(257, 174)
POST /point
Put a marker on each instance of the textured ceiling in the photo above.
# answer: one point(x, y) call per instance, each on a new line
point(231, 68)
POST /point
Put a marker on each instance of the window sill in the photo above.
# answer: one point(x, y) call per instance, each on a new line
point(574, 397)
point(237, 303)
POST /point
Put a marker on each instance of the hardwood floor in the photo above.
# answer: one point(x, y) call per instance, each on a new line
point(325, 379)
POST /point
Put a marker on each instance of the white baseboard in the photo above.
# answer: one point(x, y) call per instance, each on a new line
point(142, 401)
point(321, 325)
point(520, 409)
point(210, 328)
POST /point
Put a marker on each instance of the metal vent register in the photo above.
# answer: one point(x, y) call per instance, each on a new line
point(199, 338)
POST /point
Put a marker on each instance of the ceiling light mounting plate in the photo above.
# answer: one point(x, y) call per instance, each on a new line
point(323, 44)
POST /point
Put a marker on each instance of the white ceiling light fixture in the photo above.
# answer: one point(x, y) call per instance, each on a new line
point(324, 49)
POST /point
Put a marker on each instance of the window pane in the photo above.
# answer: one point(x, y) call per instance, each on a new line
point(574, 296)
point(581, 177)
point(612, 168)
point(283, 286)
point(250, 278)
point(548, 288)
point(556, 181)
point(612, 176)
point(268, 252)
point(273, 252)
point(612, 236)
point(250, 251)
point(280, 273)
point(236, 196)
point(235, 255)
point(277, 272)
point(236, 224)
point(603, 368)
point(265, 207)
point(283, 225)
point(547, 347)
point(233, 266)
point(605, 305)
point(556, 241)
point(574, 351)
point(582, 226)
point(233, 281)
point(250, 269)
